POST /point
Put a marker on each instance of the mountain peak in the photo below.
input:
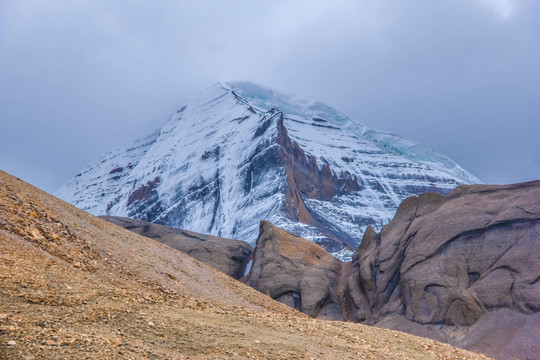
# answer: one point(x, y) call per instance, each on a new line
point(265, 98)
point(240, 153)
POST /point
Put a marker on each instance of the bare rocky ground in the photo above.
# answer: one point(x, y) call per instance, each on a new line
point(73, 286)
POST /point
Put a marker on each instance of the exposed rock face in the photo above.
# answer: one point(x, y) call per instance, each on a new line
point(306, 179)
point(296, 271)
point(227, 255)
point(448, 260)
point(461, 268)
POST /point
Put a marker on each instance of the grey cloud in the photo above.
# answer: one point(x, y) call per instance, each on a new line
point(462, 77)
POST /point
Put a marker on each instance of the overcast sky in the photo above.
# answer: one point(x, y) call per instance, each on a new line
point(460, 76)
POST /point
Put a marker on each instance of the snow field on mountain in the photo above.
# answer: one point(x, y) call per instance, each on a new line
point(216, 168)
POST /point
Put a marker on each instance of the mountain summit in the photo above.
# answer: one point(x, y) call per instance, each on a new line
point(240, 153)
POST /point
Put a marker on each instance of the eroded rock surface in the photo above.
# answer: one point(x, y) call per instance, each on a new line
point(448, 260)
point(461, 268)
point(297, 272)
point(227, 255)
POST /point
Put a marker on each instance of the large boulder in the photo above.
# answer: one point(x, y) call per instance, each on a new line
point(227, 255)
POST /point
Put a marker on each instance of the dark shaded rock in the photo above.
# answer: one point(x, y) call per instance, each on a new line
point(227, 255)
point(315, 182)
point(143, 192)
point(116, 170)
point(213, 153)
point(144, 201)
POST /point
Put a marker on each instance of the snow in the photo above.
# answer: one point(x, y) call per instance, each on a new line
point(219, 173)
point(95, 187)
point(248, 267)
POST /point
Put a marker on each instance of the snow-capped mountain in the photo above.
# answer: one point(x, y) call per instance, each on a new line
point(240, 153)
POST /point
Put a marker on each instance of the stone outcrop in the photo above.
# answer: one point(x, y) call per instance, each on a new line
point(448, 260)
point(461, 268)
point(296, 271)
point(227, 255)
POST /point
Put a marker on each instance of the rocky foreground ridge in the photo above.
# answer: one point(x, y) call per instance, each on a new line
point(73, 286)
point(461, 268)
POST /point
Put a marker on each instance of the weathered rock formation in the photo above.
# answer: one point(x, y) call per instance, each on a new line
point(448, 260)
point(461, 268)
point(227, 255)
point(296, 271)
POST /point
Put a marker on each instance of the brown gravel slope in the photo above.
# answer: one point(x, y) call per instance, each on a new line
point(73, 286)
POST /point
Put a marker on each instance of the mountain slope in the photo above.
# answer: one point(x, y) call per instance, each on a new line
point(239, 153)
point(74, 286)
point(229, 256)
